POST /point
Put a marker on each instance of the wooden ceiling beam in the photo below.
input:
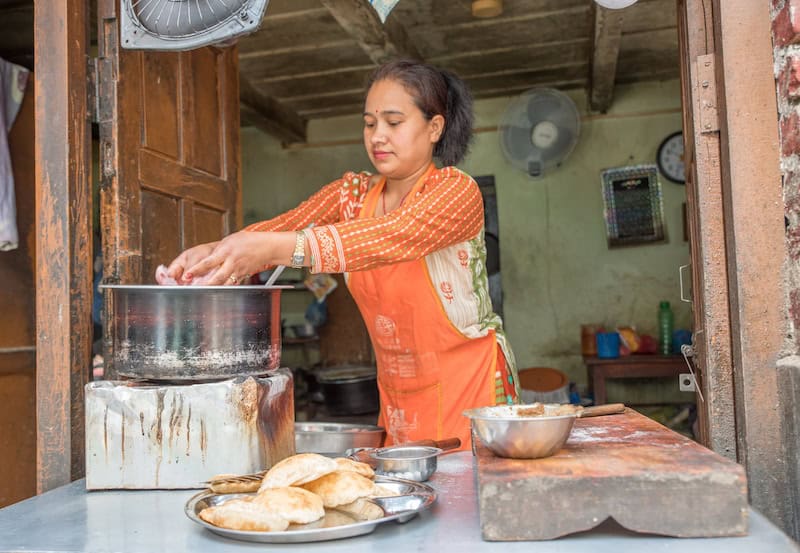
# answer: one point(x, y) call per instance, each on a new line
point(269, 115)
point(607, 39)
point(381, 42)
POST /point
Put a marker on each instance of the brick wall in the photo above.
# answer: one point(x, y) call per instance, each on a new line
point(786, 41)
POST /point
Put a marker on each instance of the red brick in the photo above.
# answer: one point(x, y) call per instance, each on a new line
point(791, 199)
point(791, 193)
point(793, 246)
point(794, 309)
point(790, 134)
point(786, 24)
point(789, 79)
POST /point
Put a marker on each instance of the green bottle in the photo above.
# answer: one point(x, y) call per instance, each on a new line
point(666, 321)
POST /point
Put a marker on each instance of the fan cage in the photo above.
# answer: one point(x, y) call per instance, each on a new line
point(517, 124)
point(232, 18)
point(142, 12)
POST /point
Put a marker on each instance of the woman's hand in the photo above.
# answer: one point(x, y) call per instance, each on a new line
point(236, 257)
point(189, 258)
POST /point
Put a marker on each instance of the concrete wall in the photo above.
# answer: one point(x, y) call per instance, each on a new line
point(557, 269)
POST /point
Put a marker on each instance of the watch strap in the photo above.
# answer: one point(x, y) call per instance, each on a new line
point(299, 255)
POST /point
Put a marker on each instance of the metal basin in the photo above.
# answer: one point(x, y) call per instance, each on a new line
point(329, 437)
point(187, 333)
point(508, 432)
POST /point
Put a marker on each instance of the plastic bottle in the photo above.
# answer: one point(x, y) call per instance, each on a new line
point(666, 322)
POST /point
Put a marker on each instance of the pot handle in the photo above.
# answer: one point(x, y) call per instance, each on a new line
point(445, 445)
point(600, 410)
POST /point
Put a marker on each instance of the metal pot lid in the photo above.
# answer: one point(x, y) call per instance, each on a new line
point(347, 374)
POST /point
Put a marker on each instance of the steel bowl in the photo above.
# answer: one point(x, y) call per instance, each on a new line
point(188, 333)
point(508, 432)
point(415, 463)
point(335, 438)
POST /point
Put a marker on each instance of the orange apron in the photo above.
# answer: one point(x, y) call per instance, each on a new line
point(428, 371)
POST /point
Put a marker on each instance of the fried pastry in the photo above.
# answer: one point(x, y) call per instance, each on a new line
point(244, 514)
point(294, 504)
point(297, 470)
point(362, 509)
point(382, 491)
point(231, 483)
point(349, 465)
point(341, 487)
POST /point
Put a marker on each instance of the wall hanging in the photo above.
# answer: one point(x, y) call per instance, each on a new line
point(633, 205)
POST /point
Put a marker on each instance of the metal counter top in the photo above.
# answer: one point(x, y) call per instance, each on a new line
point(71, 519)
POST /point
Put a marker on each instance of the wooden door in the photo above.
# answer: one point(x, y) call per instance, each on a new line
point(17, 326)
point(169, 134)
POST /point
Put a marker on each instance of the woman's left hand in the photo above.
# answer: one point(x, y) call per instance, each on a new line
point(235, 258)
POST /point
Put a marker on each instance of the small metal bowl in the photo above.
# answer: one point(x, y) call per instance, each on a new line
point(415, 463)
point(508, 432)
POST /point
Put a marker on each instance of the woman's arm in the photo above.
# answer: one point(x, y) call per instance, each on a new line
point(448, 210)
point(272, 242)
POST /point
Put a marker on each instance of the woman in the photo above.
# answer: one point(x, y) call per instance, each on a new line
point(410, 241)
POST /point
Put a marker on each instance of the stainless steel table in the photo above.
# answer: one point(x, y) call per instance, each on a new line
point(71, 519)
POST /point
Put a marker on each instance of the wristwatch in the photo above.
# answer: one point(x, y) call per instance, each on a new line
point(299, 255)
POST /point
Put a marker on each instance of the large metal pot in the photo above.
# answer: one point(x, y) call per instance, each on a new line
point(349, 390)
point(190, 333)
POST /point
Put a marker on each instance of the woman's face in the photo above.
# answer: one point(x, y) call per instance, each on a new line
point(398, 138)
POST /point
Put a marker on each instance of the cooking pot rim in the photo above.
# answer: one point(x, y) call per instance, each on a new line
point(346, 379)
point(346, 374)
point(160, 287)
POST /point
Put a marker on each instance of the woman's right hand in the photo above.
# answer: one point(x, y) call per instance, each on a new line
point(189, 258)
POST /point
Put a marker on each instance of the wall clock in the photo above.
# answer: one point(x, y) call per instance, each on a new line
point(670, 158)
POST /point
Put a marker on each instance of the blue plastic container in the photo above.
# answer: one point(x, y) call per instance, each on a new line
point(608, 345)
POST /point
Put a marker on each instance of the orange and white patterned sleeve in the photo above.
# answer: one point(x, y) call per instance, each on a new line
point(448, 209)
point(320, 209)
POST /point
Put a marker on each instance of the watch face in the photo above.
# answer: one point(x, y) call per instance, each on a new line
point(297, 261)
point(670, 158)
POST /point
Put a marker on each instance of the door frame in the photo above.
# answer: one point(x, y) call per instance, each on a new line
point(64, 242)
point(737, 213)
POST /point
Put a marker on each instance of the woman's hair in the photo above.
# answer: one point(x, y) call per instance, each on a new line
point(435, 92)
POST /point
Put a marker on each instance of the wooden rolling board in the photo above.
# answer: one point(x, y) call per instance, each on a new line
point(627, 467)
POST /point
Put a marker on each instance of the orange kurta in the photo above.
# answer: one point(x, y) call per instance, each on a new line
point(418, 276)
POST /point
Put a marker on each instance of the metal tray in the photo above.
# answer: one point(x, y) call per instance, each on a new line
point(415, 498)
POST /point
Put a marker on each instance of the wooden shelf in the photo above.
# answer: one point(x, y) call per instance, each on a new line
point(630, 366)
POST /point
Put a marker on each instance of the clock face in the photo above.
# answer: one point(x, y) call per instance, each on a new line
point(670, 158)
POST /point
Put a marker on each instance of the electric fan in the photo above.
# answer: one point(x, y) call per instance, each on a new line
point(539, 129)
point(186, 24)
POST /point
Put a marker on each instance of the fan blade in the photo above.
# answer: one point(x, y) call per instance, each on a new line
point(517, 142)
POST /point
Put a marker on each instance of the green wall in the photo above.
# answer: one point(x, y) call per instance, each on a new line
point(557, 269)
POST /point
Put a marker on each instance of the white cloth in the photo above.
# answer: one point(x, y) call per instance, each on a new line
point(165, 280)
point(13, 80)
